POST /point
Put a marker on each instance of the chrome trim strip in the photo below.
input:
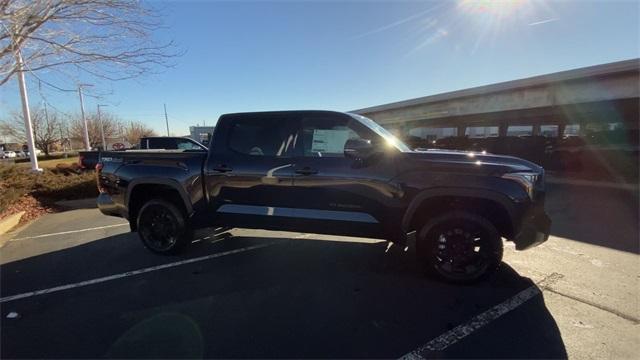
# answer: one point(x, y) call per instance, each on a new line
point(297, 213)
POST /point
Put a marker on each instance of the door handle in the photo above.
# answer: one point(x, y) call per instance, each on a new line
point(306, 171)
point(222, 168)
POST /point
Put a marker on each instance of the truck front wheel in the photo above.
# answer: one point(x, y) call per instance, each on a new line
point(162, 227)
point(460, 247)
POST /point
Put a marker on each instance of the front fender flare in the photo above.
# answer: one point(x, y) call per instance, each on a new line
point(485, 194)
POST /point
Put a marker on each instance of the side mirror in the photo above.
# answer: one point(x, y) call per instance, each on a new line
point(358, 148)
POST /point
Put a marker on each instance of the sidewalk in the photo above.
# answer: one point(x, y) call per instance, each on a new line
point(88, 203)
point(552, 179)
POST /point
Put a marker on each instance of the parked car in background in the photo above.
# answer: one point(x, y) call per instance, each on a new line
point(170, 143)
point(8, 154)
point(88, 159)
point(37, 152)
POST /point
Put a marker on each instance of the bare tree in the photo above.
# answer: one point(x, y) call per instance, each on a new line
point(45, 129)
point(109, 122)
point(136, 130)
point(109, 39)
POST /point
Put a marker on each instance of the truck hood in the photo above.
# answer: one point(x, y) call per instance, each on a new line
point(484, 162)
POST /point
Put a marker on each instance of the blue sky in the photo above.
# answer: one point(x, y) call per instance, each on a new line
point(246, 56)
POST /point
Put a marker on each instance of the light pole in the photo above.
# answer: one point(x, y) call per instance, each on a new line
point(104, 142)
point(27, 114)
point(25, 99)
point(87, 145)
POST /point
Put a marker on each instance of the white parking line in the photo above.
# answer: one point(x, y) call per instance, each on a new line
point(69, 232)
point(130, 273)
point(460, 332)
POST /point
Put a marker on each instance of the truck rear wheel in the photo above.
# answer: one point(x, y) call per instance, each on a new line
point(460, 247)
point(162, 227)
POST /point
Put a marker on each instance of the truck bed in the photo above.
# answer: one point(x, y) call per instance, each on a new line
point(122, 171)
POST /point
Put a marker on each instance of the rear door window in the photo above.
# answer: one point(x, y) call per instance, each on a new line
point(263, 137)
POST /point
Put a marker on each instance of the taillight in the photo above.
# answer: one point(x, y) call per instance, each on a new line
point(81, 161)
point(99, 167)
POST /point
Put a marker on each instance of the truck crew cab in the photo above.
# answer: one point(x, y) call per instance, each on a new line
point(333, 173)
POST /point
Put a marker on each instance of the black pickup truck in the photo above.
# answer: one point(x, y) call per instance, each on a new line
point(333, 173)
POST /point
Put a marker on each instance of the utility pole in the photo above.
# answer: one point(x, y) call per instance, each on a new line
point(122, 133)
point(104, 142)
point(87, 145)
point(166, 118)
point(25, 111)
point(62, 140)
point(66, 127)
point(46, 114)
point(48, 132)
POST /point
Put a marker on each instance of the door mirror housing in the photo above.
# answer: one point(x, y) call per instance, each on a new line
point(358, 148)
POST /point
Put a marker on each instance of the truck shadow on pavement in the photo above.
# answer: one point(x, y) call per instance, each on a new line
point(302, 298)
point(603, 217)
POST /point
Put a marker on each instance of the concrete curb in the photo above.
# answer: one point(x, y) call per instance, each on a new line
point(10, 222)
point(7, 224)
point(601, 184)
point(88, 203)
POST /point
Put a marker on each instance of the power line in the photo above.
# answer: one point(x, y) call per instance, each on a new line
point(46, 101)
point(55, 86)
point(45, 82)
point(58, 110)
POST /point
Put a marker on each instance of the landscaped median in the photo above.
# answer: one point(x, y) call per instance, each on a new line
point(36, 193)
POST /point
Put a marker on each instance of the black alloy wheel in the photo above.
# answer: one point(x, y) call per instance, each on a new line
point(162, 227)
point(460, 247)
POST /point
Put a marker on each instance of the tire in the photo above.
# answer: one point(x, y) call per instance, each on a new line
point(163, 227)
point(459, 247)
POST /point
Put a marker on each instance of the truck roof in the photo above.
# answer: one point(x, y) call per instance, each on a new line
point(165, 137)
point(285, 112)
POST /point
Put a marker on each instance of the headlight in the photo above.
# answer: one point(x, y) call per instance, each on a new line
point(526, 179)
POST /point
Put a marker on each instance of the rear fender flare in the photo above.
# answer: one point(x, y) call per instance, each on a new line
point(173, 184)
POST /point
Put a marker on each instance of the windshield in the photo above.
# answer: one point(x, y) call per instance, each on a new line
point(389, 137)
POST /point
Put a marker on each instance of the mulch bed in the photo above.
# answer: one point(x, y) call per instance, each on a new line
point(32, 207)
point(36, 194)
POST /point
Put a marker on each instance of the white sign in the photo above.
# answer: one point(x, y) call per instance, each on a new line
point(329, 141)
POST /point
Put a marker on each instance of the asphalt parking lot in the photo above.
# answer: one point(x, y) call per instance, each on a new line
point(78, 285)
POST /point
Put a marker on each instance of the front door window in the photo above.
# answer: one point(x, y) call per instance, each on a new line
point(327, 137)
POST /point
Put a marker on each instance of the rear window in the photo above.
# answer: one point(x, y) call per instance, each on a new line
point(162, 143)
point(272, 137)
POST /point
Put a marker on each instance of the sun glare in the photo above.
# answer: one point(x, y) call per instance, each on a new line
point(489, 20)
point(496, 8)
